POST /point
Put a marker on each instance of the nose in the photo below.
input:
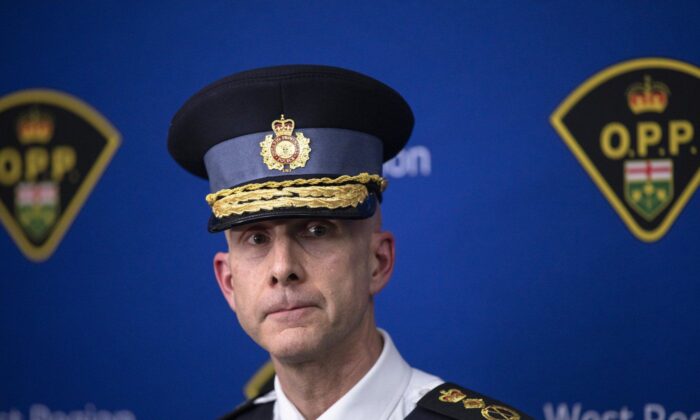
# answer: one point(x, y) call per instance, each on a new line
point(285, 264)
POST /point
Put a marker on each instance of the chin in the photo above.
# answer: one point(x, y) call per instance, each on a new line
point(294, 345)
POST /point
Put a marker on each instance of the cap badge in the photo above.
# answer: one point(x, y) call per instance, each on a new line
point(285, 151)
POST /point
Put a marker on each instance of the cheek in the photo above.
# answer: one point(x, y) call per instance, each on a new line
point(244, 293)
point(358, 263)
point(246, 301)
point(347, 278)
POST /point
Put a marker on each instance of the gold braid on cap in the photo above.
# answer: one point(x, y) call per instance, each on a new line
point(328, 193)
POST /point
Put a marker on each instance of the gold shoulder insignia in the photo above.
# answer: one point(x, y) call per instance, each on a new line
point(455, 402)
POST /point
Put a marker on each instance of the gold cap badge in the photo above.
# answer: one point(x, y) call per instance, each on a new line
point(284, 151)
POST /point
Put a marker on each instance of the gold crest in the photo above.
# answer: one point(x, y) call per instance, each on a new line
point(285, 151)
point(473, 403)
point(452, 396)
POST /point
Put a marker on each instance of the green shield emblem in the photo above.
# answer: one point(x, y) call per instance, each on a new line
point(649, 186)
point(37, 208)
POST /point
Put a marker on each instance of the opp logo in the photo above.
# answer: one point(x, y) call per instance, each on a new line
point(632, 127)
point(53, 149)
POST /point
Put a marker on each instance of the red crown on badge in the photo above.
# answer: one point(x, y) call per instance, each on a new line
point(35, 126)
point(649, 96)
point(283, 126)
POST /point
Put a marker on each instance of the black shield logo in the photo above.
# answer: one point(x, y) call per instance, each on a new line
point(53, 150)
point(633, 128)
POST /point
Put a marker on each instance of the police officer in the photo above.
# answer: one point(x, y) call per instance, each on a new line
point(293, 155)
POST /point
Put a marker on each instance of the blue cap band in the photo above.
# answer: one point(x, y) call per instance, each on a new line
point(333, 151)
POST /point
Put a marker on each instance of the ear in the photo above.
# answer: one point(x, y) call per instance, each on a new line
point(383, 258)
point(222, 271)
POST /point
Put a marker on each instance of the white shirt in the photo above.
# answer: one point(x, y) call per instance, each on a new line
point(388, 391)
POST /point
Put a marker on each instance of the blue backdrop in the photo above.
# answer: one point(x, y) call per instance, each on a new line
point(515, 275)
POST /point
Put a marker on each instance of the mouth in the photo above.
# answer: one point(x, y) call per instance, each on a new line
point(288, 313)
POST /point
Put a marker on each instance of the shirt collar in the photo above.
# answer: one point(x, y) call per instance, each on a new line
point(378, 392)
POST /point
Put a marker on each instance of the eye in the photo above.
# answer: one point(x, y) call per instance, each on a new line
point(317, 230)
point(258, 239)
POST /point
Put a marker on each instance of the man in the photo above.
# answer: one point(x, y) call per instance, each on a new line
point(293, 155)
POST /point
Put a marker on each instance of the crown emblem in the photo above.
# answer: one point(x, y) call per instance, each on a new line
point(650, 96)
point(35, 126)
point(283, 126)
point(451, 395)
point(285, 151)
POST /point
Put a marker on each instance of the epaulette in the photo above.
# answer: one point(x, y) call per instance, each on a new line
point(452, 401)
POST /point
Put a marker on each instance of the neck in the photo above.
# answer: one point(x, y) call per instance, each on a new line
point(313, 386)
